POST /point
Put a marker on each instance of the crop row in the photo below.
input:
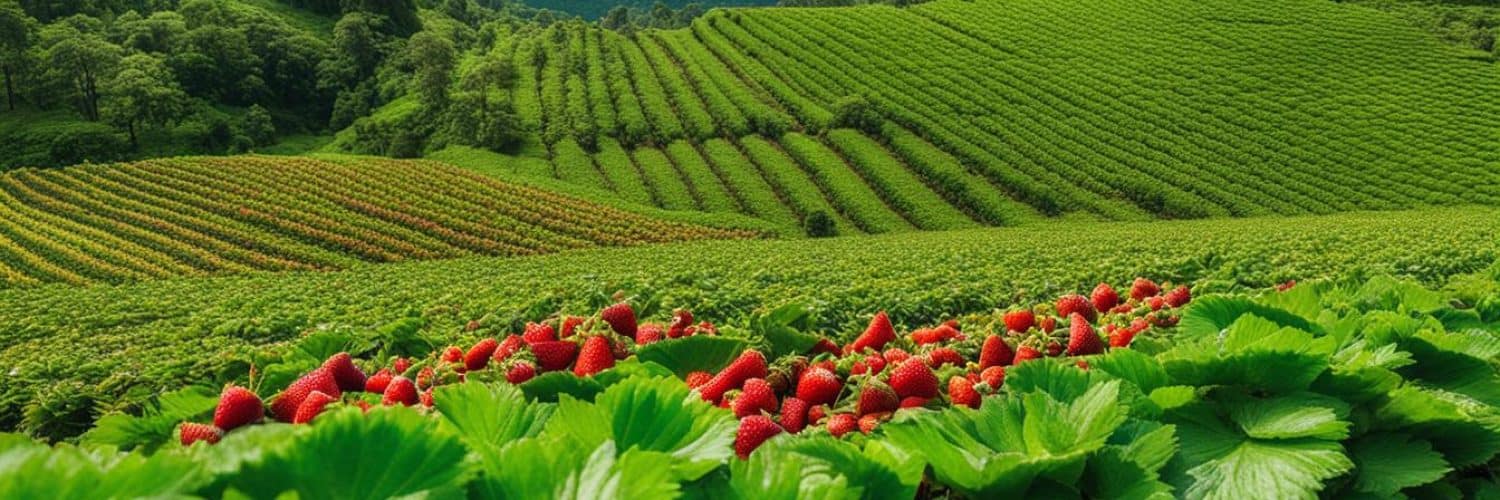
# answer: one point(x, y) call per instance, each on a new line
point(174, 217)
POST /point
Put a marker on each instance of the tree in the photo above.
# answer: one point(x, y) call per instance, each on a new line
point(142, 92)
point(856, 112)
point(432, 58)
point(81, 57)
point(687, 14)
point(661, 15)
point(617, 19)
point(819, 224)
point(16, 37)
point(400, 15)
point(257, 125)
point(156, 34)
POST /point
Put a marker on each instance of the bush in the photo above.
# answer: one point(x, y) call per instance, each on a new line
point(91, 142)
point(858, 113)
point(819, 225)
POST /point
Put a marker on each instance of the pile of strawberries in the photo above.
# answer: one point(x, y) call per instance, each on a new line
point(832, 388)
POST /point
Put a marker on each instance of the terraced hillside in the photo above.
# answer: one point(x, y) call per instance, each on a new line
point(997, 111)
point(195, 216)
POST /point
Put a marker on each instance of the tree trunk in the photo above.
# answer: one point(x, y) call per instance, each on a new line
point(10, 90)
point(130, 125)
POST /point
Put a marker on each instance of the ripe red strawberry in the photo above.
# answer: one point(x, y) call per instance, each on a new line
point(554, 355)
point(619, 347)
point(508, 347)
point(876, 362)
point(1179, 296)
point(1286, 286)
point(621, 319)
point(520, 372)
point(1049, 324)
point(596, 356)
point(993, 376)
point(377, 382)
point(1104, 297)
point(682, 319)
point(1026, 352)
point(868, 423)
point(479, 356)
point(400, 391)
point(876, 397)
point(312, 406)
point(1082, 339)
point(875, 336)
point(452, 354)
point(1143, 288)
point(824, 346)
point(538, 332)
point(754, 430)
point(961, 392)
point(426, 398)
point(914, 402)
point(285, 405)
point(816, 414)
point(750, 364)
point(237, 407)
point(923, 336)
point(193, 432)
point(1121, 337)
point(952, 323)
point(995, 352)
point(944, 356)
point(1054, 348)
point(345, 374)
point(1072, 304)
point(914, 378)
point(858, 368)
point(1155, 303)
point(793, 414)
point(1019, 320)
point(649, 333)
point(896, 355)
point(757, 397)
point(570, 325)
point(842, 423)
point(819, 386)
point(697, 379)
point(1122, 309)
point(401, 365)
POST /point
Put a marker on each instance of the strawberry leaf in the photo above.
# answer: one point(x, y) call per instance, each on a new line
point(32, 470)
point(1388, 463)
point(651, 414)
point(489, 415)
point(697, 353)
point(157, 424)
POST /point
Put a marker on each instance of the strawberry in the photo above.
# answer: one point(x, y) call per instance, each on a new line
point(520, 372)
point(192, 432)
point(424, 377)
point(914, 402)
point(876, 397)
point(1179, 296)
point(285, 405)
point(508, 347)
point(944, 356)
point(1122, 309)
point(1082, 339)
point(816, 414)
point(756, 398)
point(377, 382)
point(842, 423)
point(479, 356)
point(596, 356)
point(697, 379)
point(682, 319)
point(621, 319)
point(452, 354)
point(923, 336)
point(750, 364)
point(819, 386)
point(538, 332)
point(868, 423)
point(237, 407)
point(348, 376)
point(311, 406)
point(824, 346)
point(619, 347)
point(1054, 348)
point(952, 324)
point(649, 333)
point(1121, 337)
point(993, 376)
point(1286, 286)
point(1104, 297)
point(1155, 303)
point(1026, 352)
point(364, 406)
point(1143, 288)
point(754, 430)
point(554, 355)
point(401, 365)
point(1019, 320)
point(895, 355)
point(1069, 305)
point(961, 392)
point(400, 391)
point(858, 368)
point(875, 336)
point(914, 378)
point(995, 352)
point(1082, 365)
point(1049, 324)
point(793, 414)
point(426, 398)
point(570, 325)
point(876, 362)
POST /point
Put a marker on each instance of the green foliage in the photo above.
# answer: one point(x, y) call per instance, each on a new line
point(819, 225)
point(857, 113)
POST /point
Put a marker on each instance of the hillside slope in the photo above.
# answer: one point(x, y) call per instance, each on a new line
point(192, 216)
point(1001, 110)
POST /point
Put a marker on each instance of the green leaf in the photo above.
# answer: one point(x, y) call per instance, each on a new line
point(817, 467)
point(1134, 367)
point(1388, 463)
point(552, 386)
point(1290, 416)
point(1064, 381)
point(157, 425)
point(1208, 316)
point(652, 414)
point(780, 330)
point(1389, 294)
point(1254, 353)
point(489, 415)
point(1277, 469)
point(546, 467)
point(385, 453)
point(32, 470)
point(1111, 474)
point(1466, 432)
point(1148, 443)
point(690, 354)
